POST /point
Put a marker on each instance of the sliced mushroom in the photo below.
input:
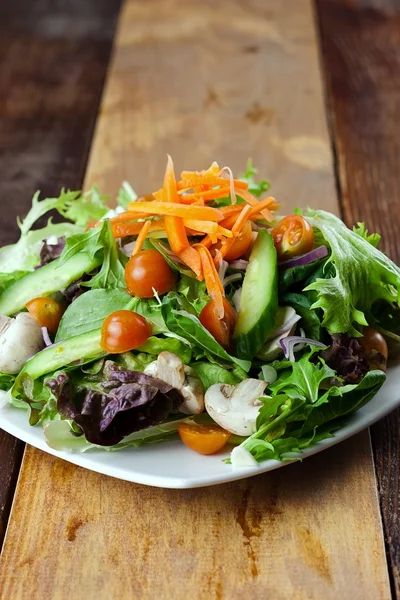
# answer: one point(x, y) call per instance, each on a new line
point(171, 369)
point(20, 338)
point(236, 407)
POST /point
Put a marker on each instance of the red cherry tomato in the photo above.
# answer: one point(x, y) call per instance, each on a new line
point(203, 438)
point(221, 329)
point(241, 244)
point(293, 236)
point(124, 330)
point(147, 270)
point(47, 312)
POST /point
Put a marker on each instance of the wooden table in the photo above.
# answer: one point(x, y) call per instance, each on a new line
point(312, 93)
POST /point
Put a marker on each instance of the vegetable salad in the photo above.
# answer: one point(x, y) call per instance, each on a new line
point(194, 312)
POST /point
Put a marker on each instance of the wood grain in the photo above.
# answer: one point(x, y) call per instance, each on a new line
point(292, 534)
point(188, 81)
point(360, 42)
point(54, 60)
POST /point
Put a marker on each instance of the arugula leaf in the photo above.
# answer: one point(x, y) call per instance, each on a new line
point(373, 238)
point(98, 239)
point(289, 278)
point(194, 291)
point(112, 272)
point(188, 326)
point(257, 188)
point(363, 275)
point(305, 379)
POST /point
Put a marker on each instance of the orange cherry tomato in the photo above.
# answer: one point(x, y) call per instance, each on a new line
point(203, 438)
point(221, 329)
point(46, 311)
point(373, 340)
point(124, 330)
point(293, 236)
point(241, 244)
point(146, 270)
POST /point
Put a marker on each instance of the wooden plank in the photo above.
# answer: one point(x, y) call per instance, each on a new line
point(203, 87)
point(51, 83)
point(295, 534)
point(362, 62)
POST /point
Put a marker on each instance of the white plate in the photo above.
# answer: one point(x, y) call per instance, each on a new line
point(172, 465)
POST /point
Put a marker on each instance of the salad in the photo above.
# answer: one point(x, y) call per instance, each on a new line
point(194, 312)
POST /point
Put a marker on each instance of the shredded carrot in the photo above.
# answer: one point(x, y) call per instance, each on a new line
point(128, 216)
point(174, 226)
point(240, 221)
point(206, 227)
point(213, 194)
point(175, 209)
point(206, 241)
point(191, 258)
point(121, 230)
point(213, 282)
point(141, 237)
point(250, 199)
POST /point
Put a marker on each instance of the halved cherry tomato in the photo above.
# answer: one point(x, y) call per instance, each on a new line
point(124, 330)
point(372, 340)
point(221, 329)
point(293, 236)
point(46, 311)
point(203, 438)
point(241, 244)
point(146, 270)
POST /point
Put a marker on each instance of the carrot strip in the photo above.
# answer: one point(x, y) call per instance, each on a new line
point(128, 216)
point(208, 194)
point(121, 230)
point(240, 221)
point(206, 241)
point(191, 258)
point(250, 199)
point(175, 209)
point(141, 237)
point(174, 226)
point(213, 282)
point(206, 227)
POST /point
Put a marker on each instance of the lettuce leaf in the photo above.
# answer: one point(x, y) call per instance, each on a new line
point(210, 374)
point(362, 276)
point(187, 325)
point(257, 188)
point(373, 238)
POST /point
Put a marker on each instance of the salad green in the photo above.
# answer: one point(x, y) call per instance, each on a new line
point(281, 346)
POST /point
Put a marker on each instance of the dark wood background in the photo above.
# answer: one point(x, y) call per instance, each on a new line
point(64, 47)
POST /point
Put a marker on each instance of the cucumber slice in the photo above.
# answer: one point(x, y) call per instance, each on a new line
point(259, 299)
point(45, 281)
point(80, 348)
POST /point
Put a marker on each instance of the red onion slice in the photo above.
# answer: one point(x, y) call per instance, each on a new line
point(305, 259)
point(239, 265)
point(46, 337)
point(288, 345)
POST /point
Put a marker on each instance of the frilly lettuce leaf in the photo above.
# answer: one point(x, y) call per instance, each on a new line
point(362, 276)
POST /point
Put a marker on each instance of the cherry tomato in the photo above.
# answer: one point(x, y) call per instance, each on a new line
point(221, 329)
point(146, 270)
point(293, 236)
point(241, 244)
point(373, 340)
point(124, 330)
point(46, 311)
point(203, 438)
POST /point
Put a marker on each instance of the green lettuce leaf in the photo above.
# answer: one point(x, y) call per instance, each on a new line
point(363, 275)
point(187, 325)
point(194, 291)
point(210, 374)
point(90, 309)
point(373, 238)
point(6, 381)
point(126, 195)
point(257, 188)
